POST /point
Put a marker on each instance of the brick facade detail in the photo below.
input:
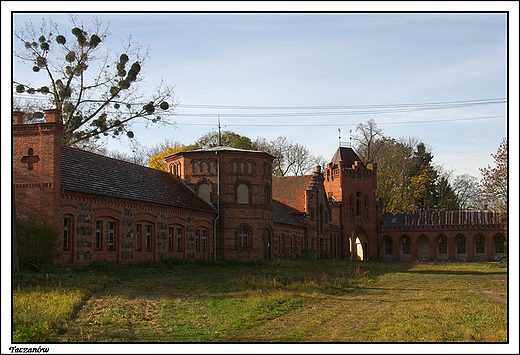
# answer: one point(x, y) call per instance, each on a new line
point(223, 203)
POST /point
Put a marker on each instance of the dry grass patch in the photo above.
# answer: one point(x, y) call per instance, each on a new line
point(289, 301)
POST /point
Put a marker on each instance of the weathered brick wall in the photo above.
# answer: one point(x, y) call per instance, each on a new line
point(425, 231)
point(248, 170)
point(354, 186)
point(85, 210)
point(37, 168)
point(288, 240)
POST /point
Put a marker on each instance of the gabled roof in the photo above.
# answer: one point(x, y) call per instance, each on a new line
point(282, 215)
point(290, 190)
point(86, 172)
point(347, 155)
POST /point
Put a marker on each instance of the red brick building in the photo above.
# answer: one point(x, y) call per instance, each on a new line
point(223, 203)
point(106, 209)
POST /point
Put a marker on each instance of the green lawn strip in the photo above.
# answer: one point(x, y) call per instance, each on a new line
point(282, 301)
point(435, 306)
point(43, 304)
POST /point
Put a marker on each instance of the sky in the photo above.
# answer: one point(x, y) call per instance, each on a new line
point(313, 77)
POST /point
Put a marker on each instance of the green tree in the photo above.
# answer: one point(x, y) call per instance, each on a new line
point(446, 197)
point(37, 245)
point(98, 94)
point(228, 139)
point(423, 178)
point(393, 183)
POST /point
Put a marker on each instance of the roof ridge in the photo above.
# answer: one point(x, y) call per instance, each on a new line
point(116, 159)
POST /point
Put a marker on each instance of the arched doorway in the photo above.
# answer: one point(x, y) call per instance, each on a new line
point(387, 248)
point(460, 247)
point(405, 248)
point(441, 247)
point(358, 245)
point(423, 248)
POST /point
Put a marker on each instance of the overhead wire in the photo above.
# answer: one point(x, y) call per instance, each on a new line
point(319, 111)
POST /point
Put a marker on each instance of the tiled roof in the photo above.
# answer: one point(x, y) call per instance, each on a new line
point(440, 218)
point(282, 215)
point(347, 155)
point(290, 190)
point(86, 172)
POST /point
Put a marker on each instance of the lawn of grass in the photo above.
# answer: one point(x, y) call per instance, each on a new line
point(284, 301)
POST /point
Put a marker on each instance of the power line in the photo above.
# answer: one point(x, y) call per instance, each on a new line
point(345, 110)
point(338, 123)
point(353, 107)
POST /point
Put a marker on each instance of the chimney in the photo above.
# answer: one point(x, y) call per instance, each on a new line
point(18, 117)
point(53, 116)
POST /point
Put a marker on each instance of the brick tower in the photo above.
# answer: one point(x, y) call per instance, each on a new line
point(37, 167)
point(238, 183)
point(351, 185)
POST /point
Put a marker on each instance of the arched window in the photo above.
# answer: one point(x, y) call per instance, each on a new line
point(480, 244)
point(461, 244)
point(67, 228)
point(242, 168)
point(407, 246)
point(267, 195)
point(500, 244)
point(443, 245)
point(321, 218)
point(205, 192)
point(351, 206)
point(195, 167)
point(211, 167)
point(243, 238)
point(148, 234)
point(389, 245)
point(235, 169)
point(243, 194)
point(249, 168)
point(203, 166)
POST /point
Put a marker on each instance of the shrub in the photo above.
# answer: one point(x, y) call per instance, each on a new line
point(37, 245)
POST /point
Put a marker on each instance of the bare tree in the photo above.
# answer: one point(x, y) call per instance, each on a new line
point(368, 142)
point(493, 185)
point(465, 187)
point(95, 100)
point(290, 158)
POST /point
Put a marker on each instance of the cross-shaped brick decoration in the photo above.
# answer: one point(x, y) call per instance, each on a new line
point(30, 159)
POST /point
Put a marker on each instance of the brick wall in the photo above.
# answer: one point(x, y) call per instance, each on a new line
point(354, 187)
point(37, 167)
point(243, 196)
point(141, 231)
